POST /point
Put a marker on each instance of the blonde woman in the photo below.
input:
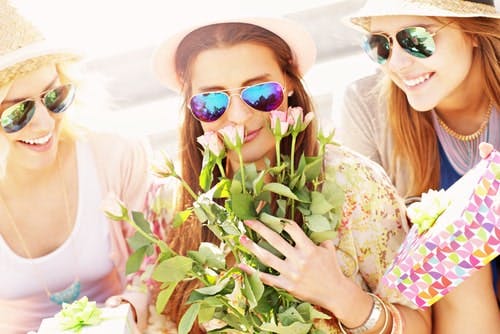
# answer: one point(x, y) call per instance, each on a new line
point(56, 244)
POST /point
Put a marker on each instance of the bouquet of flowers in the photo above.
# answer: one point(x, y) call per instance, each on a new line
point(240, 302)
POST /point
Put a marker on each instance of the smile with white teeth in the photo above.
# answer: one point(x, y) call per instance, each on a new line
point(38, 141)
point(417, 81)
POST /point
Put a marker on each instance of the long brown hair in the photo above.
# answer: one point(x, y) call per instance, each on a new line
point(415, 141)
point(191, 233)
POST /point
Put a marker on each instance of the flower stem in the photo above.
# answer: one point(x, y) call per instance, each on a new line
point(242, 170)
point(221, 168)
point(292, 170)
point(188, 188)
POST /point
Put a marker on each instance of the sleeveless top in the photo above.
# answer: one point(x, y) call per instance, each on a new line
point(23, 300)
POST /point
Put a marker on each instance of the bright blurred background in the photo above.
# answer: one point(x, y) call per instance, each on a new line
point(119, 37)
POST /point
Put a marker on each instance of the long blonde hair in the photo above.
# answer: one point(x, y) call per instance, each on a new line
point(415, 141)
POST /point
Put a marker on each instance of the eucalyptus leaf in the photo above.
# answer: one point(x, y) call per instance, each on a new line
point(137, 240)
point(243, 206)
point(272, 222)
point(319, 237)
point(213, 289)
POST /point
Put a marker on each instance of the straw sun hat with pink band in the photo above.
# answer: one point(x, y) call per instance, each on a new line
point(360, 20)
point(24, 49)
point(297, 37)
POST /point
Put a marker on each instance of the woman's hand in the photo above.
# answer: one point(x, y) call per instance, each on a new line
point(115, 301)
point(485, 150)
point(308, 271)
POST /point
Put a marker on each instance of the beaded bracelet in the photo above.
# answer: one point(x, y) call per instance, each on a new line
point(373, 317)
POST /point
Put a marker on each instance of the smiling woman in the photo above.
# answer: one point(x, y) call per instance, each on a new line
point(55, 241)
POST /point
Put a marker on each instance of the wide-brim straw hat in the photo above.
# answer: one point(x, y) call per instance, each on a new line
point(360, 20)
point(293, 33)
point(24, 49)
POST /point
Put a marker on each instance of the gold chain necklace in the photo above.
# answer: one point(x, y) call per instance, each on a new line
point(71, 293)
point(472, 136)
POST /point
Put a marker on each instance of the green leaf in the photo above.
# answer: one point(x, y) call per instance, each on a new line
point(319, 204)
point(272, 222)
point(181, 217)
point(221, 189)
point(319, 237)
point(280, 189)
point(214, 289)
point(309, 313)
point(173, 269)
point(252, 289)
point(313, 167)
point(188, 319)
point(258, 183)
point(135, 259)
point(141, 222)
point(317, 223)
point(289, 316)
point(137, 240)
point(206, 313)
point(206, 176)
point(295, 328)
point(210, 255)
point(164, 296)
point(243, 206)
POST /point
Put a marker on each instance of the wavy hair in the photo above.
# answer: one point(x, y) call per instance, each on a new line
point(209, 37)
point(415, 140)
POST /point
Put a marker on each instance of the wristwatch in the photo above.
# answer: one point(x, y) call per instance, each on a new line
point(370, 322)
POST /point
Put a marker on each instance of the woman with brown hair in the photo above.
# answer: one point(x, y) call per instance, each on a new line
point(215, 66)
point(423, 116)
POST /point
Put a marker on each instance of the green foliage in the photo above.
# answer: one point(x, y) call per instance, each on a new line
point(240, 302)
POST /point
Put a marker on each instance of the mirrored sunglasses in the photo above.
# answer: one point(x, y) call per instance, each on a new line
point(210, 106)
point(56, 100)
point(417, 41)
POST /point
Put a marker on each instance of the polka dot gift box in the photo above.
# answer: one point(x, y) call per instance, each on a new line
point(455, 233)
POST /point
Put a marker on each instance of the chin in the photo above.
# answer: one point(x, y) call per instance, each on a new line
point(422, 106)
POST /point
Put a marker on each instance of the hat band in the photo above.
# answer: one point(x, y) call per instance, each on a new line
point(459, 7)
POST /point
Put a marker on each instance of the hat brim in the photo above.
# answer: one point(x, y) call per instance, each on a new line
point(297, 37)
point(360, 20)
point(34, 56)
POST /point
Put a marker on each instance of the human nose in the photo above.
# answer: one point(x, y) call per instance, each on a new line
point(238, 111)
point(42, 118)
point(399, 58)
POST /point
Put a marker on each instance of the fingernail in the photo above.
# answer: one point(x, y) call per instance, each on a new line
point(244, 239)
point(248, 222)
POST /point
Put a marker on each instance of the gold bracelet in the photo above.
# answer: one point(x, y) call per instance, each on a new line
point(397, 319)
point(371, 321)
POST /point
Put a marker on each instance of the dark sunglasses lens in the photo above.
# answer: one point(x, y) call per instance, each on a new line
point(17, 116)
point(59, 99)
point(263, 97)
point(208, 107)
point(377, 47)
point(417, 41)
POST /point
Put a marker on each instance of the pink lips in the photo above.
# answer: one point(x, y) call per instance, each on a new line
point(251, 135)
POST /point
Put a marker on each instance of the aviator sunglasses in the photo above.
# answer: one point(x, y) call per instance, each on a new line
point(417, 41)
point(210, 106)
point(18, 115)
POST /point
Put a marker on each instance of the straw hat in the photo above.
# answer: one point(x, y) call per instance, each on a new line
point(450, 8)
point(24, 49)
point(296, 36)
